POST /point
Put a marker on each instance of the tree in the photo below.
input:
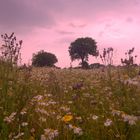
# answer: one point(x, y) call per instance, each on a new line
point(43, 58)
point(81, 48)
point(10, 50)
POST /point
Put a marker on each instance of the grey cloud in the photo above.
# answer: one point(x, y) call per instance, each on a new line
point(101, 33)
point(87, 8)
point(64, 32)
point(16, 14)
point(26, 14)
point(66, 40)
point(136, 2)
point(129, 19)
point(77, 25)
point(108, 25)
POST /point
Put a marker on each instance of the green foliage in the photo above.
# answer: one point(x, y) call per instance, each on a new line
point(15, 92)
point(43, 58)
point(81, 48)
point(10, 50)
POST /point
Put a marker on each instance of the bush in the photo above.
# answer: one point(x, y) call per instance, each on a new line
point(43, 58)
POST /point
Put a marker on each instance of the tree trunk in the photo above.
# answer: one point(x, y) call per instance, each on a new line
point(82, 62)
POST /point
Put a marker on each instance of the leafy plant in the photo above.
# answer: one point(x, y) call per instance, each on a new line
point(43, 58)
point(107, 56)
point(10, 50)
point(129, 63)
point(130, 59)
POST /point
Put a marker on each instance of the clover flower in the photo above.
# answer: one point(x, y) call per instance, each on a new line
point(49, 134)
point(129, 118)
point(108, 122)
point(76, 130)
point(10, 118)
point(95, 117)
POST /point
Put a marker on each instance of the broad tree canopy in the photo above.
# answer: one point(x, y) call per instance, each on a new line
point(81, 48)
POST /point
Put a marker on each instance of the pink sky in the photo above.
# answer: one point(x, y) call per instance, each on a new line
point(52, 25)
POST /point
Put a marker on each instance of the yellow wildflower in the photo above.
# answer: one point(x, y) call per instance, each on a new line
point(67, 118)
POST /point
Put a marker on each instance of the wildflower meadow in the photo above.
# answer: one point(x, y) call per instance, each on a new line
point(69, 104)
